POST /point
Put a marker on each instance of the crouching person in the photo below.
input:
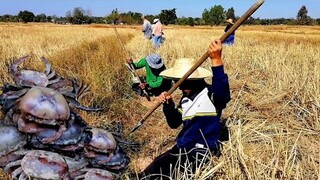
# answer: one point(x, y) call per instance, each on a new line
point(154, 83)
point(199, 111)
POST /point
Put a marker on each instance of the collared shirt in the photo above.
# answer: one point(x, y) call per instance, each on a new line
point(147, 29)
point(200, 113)
point(152, 78)
point(157, 29)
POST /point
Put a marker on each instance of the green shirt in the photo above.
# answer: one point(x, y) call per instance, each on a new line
point(153, 80)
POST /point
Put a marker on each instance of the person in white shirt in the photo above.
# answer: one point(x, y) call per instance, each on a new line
point(146, 28)
point(157, 32)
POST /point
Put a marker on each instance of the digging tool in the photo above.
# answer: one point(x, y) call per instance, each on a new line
point(130, 65)
point(235, 26)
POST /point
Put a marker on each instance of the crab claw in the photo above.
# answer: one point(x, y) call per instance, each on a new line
point(56, 136)
point(76, 104)
point(14, 66)
point(48, 65)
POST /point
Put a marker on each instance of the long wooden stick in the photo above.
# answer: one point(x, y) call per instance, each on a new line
point(119, 39)
point(236, 25)
point(132, 69)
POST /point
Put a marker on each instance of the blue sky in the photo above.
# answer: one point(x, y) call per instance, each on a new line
point(187, 8)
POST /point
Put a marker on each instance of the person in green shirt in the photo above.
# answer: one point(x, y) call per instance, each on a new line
point(154, 83)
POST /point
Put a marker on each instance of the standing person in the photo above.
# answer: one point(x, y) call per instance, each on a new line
point(146, 28)
point(230, 39)
point(199, 111)
point(155, 84)
point(157, 33)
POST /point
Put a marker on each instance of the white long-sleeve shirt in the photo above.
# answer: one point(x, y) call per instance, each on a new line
point(157, 29)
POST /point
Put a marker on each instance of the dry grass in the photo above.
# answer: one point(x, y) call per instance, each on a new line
point(274, 114)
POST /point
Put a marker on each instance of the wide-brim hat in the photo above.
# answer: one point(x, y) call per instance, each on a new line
point(155, 20)
point(154, 61)
point(229, 21)
point(181, 67)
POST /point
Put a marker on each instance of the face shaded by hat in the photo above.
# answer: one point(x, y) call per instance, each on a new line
point(154, 61)
point(181, 67)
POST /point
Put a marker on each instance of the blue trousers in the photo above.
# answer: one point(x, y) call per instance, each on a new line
point(229, 40)
point(157, 41)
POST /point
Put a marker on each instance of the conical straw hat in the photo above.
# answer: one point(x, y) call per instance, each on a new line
point(181, 66)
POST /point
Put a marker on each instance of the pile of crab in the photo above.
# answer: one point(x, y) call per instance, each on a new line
point(42, 135)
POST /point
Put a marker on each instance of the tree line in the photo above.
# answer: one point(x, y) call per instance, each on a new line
point(213, 16)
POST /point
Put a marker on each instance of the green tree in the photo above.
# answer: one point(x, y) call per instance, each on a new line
point(217, 15)
point(197, 21)
point(78, 16)
point(40, 18)
point(302, 16)
point(190, 21)
point(9, 18)
point(206, 16)
point(129, 17)
point(26, 16)
point(182, 21)
point(69, 17)
point(185, 21)
point(113, 17)
point(249, 21)
point(49, 18)
point(168, 16)
point(133, 17)
point(214, 16)
point(230, 13)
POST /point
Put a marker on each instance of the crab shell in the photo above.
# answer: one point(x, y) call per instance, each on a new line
point(10, 139)
point(73, 134)
point(102, 141)
point(116, 161)
point(98, 174)
point(75, 164)
point(44, 165)
point(44, 103)
point(31, 78)
point(91, 174)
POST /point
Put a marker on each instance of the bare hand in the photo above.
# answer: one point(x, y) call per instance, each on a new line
point(129, 60)
point(214, 52)
point(164, 97)
point(142, 85)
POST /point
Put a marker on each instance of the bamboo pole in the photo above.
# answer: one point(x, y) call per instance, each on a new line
point(132, 69)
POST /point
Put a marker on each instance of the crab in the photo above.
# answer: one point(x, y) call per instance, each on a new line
point(102, 141)
point(72, 90)
point(71, 141)
point(41, 109)
point(117, 161)
point(39, 164)
point(33, 78)
point(104, 152)
point(93, 174)
point(11, 140)
point(78, 169)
